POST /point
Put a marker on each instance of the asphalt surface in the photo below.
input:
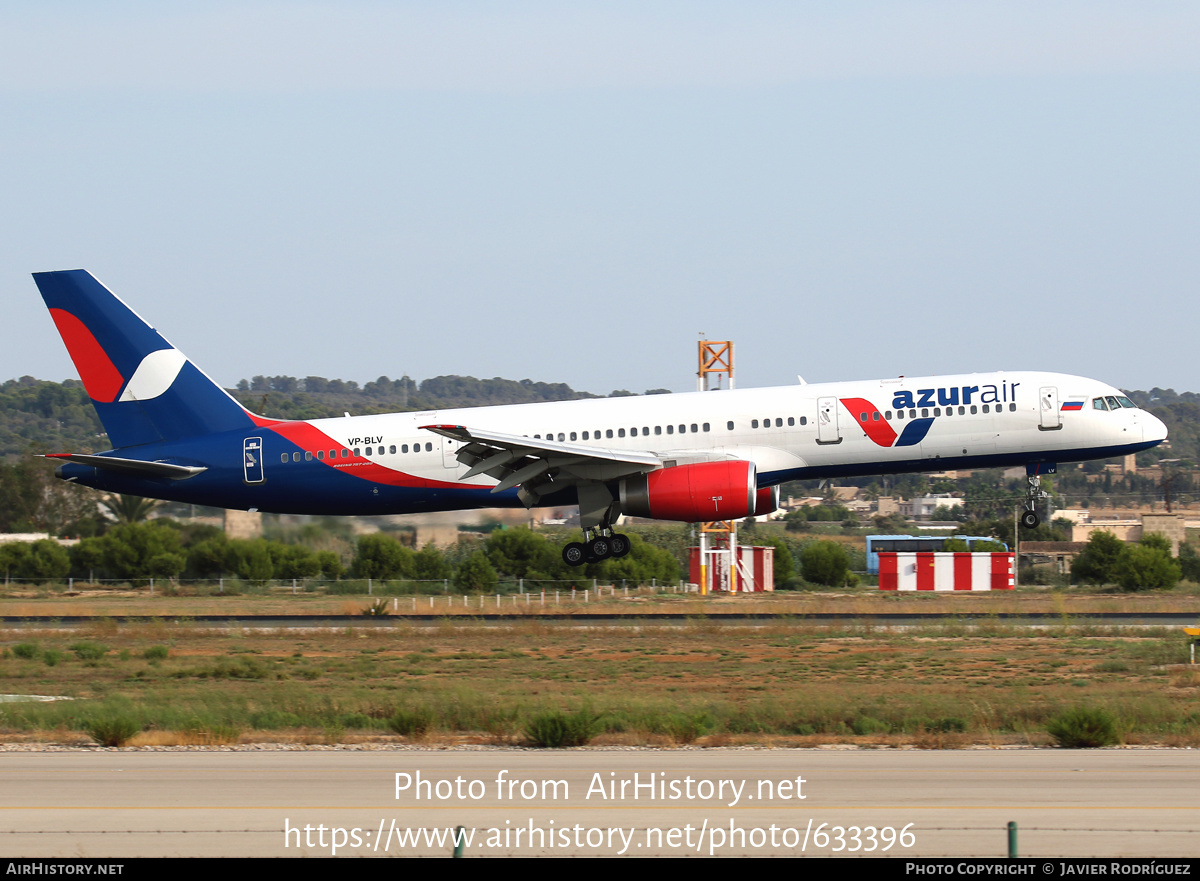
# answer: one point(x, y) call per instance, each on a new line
point(720, 802)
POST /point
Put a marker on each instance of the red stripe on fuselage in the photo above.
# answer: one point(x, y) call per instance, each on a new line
point(306, 437)
point(876, 427)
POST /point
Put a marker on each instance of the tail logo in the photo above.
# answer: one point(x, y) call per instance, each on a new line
point(154, 375)
point(100, 376)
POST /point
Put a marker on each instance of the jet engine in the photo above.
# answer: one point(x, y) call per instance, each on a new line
point(698, 493)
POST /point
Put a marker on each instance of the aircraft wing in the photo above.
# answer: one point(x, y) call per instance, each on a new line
point(540, 466)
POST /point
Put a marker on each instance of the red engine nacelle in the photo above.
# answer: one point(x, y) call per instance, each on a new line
point(697, 493)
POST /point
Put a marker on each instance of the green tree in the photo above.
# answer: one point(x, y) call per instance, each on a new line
point(1146, 566)
point(381, 556)
point(475, 573)
point(522, 553)
point(1097, 563)
point(824, 562)
point(142, 550)
point(129, 509)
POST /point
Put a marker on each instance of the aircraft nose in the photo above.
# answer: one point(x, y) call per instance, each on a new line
point(1153, 428)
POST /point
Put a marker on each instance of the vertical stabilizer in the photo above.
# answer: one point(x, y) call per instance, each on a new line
point(143, 388)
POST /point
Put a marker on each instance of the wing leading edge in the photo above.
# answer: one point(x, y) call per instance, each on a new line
point(541, 467)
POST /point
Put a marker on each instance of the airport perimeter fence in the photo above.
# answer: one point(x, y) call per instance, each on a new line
point(526, 591)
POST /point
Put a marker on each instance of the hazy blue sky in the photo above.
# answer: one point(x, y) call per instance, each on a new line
point(573, 191)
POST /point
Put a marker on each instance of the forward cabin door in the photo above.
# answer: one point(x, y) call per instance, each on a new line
point(827, 421)
point(1051, 418)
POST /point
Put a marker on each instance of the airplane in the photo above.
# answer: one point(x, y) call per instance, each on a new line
point(701, 456)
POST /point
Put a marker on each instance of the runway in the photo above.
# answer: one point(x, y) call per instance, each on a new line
point(599, 802)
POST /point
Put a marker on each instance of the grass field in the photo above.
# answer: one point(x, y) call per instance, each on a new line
point(795, 682)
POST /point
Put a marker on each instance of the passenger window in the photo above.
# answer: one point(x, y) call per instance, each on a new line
point(295, 457)
point(973, 410)
point(962, 411)
point(573, 437)
point(283, 458)
point(778, 422)
point(728, 425)
point(1012, 408)
point(705, 426)
point(695, 428)
point(585, 435)
point(561, 436)
point(633, 432)
point(985, 408)
point(683, 429)
point(392, 449)
point(608, 433)
point(671, 428)
point(792, 420)
point(307, 456)
point(658, 429)
point(912, 414)
point(404, 448)
point(899, 414)
point(924, 412)
point(645, 431)
point(620, 432)
point(321, 455)
point(937, 411)
point(358, 451)
point(429, 447)
point(754, 423)
point(804, 420)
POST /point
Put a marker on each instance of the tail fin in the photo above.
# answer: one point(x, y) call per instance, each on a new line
point(142, 387)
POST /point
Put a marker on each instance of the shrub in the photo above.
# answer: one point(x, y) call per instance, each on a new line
point(156, 653)
point(411, 722)
point(51, 657)
point(111, 730)
point(824, 562)
point(377, 609)
point(27, 650)
point(1146, 567)
point(89, 651)
point(554, 729)
point(1083, 728)
point(685, 727)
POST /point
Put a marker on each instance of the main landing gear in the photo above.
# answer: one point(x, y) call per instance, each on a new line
point(1033, 494)
point(598, 544)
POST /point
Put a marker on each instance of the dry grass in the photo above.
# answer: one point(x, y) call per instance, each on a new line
point(790, 682)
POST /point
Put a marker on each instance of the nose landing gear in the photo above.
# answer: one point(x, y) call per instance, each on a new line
point(1034, 493)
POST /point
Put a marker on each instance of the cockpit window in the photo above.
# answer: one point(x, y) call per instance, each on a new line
point(1125, 402)
point(1112, 403)
point(1098, 404)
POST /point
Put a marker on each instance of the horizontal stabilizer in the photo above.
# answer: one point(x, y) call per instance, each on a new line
point(134, 467)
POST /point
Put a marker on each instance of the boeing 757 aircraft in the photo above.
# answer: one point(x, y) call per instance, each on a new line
point(703, 456)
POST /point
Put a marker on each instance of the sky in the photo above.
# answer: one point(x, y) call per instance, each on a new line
point(575, 192)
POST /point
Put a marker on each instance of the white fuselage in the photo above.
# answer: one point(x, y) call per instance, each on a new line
point(813, 430)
